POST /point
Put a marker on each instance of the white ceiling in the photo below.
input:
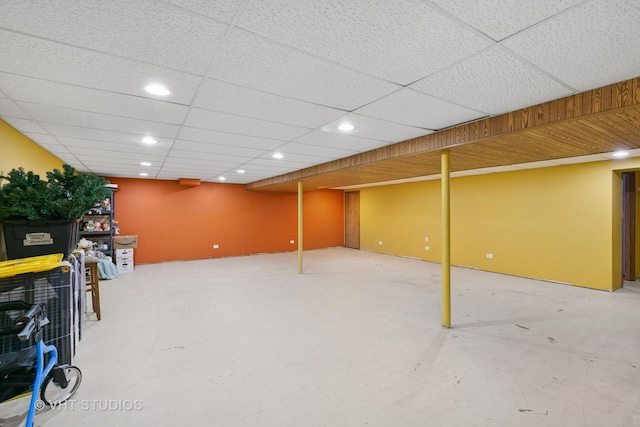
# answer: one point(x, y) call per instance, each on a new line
point(252, 77)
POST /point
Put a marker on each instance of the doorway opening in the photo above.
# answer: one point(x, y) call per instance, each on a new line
point(352, 219)
point(629, 226)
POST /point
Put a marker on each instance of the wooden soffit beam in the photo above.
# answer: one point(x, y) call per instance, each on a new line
point(595, 113)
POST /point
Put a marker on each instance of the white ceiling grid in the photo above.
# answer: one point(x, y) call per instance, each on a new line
point(252, 77)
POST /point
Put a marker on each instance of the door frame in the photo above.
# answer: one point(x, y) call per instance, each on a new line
point(352, 219)
point(629, 226)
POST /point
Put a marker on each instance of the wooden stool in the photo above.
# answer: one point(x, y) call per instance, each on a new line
point(93, 284)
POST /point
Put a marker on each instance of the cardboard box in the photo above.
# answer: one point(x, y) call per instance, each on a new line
point(124, 260)
point(124, 254)
point(124, 267)
point(125, 242)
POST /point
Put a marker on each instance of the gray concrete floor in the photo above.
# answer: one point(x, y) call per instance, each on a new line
point(355, 341)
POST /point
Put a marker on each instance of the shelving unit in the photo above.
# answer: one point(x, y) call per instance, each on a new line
point(104, 217)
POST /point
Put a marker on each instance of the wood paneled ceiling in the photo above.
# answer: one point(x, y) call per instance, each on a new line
point(593, 122)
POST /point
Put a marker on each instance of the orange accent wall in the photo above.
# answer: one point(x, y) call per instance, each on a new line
point(183, 223)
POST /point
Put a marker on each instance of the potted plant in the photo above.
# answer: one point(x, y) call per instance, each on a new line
point(39, 217)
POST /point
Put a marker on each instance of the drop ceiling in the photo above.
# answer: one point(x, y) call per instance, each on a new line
point(250, 78)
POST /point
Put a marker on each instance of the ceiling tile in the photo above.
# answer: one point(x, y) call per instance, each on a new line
point(137, 151)
point(8, 108)
point(301, 159)
point(71, 160)
point(199, 171)
point(249, 173)
point(179, 156)
point(224, 122)
point(413, 108)
point(167, 167)
point(280, 165)
point(103, 170)
point(397, 40)
point(254, 62)
point(41, 138)
point(225, 138)
point(368, 127)
point(54, 149)
point(589, 46)
point(174, 176)
point(264, 165)
point(24, 125)
point(202, 147)
point(218, 157)
point(118, 164)
point(67, 64)
point(40, 91)
point(178, 162)
point(225, 97)
point(106, 136)
point(493, 81)
point(328, 153)
point(130, 29)
point(340, 140)
point(236, 179)
point(500, 19)
point(102, 151)
point(46, 114)
point(221, 10)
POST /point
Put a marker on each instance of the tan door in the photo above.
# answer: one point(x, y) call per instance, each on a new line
point(352, 219)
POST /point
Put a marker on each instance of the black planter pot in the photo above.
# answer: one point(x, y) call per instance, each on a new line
point(24, 239)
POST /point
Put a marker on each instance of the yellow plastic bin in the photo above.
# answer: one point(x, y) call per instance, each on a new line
point(44, 280)
point(34, 264)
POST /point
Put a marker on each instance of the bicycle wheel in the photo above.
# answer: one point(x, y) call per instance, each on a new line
point(52, 394)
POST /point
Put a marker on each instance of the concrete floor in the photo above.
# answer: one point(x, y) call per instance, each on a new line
point(355, 341)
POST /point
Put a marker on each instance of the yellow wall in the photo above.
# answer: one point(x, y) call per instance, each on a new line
point(561, 223)
point(17, 150)
point(401, 216)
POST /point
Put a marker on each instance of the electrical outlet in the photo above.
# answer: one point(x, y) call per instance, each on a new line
point(426, 239)
point(216, 246)
point(427, 248)
point(490, 256)
point(380, 242)
point(292, 241)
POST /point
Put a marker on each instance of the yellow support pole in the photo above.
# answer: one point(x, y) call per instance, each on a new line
point(446, 242)
point(300, 227)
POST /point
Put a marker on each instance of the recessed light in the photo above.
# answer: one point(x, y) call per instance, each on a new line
point(149, 140)
point(620, 153)
point(157, 89)
point(277, 155)
point(241, 171)
point(144, 174)
point(222, 178)
point(145, 164)
point(346, 126)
